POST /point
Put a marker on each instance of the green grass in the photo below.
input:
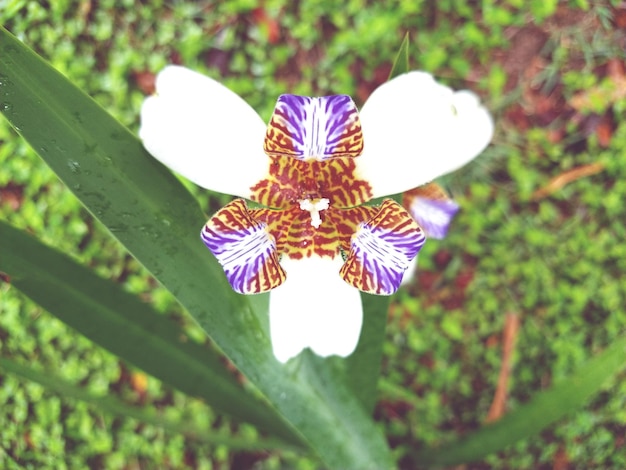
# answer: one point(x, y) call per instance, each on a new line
point(558, 262)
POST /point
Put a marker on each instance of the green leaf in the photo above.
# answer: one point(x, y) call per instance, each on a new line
point(363, 366)
point(112, 405)
point(147, 209)
point(401, 62)
point(528, 420)
point(129, 328)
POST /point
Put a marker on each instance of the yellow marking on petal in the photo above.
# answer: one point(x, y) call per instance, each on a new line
point(297, 238)
point(428, 191)
point(290, 181)
point(311, 192)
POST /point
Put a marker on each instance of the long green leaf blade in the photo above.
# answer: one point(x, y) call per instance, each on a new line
point(110, 404)
point(151, 213)
point(544, 409)
point(129, 328)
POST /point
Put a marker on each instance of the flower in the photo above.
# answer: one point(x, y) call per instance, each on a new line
point(313, 169)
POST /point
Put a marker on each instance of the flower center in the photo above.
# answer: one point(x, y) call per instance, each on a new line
point(315, 206)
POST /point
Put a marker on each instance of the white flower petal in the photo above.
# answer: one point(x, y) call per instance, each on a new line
point(202, 130)
point(415, 130)
point(314, 308)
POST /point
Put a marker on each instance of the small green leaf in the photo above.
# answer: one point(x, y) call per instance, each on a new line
point(401, 62)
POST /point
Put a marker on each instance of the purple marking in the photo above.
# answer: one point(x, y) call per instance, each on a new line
point(434, 215)
point(316, 126)
point(386, 254)
point(243, 254)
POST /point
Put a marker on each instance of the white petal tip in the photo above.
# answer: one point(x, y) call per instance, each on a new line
point(314, 309)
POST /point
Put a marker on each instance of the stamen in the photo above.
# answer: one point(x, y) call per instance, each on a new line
point(315, 207)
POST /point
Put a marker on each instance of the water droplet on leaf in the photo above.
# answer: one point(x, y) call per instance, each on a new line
point(74, 166)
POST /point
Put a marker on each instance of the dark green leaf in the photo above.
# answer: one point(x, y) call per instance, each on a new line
point(363, 367)
point(119, 322)
point(112, 405)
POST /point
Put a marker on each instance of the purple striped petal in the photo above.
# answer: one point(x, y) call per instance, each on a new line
point(382, 249)
point(431, 207)
point(434, 216)
point(245, 249)
point(314, 128)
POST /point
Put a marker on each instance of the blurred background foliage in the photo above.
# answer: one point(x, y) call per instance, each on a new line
point(528, 285)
